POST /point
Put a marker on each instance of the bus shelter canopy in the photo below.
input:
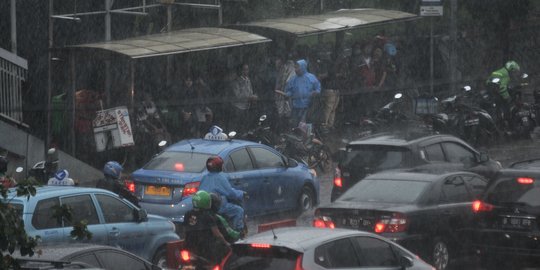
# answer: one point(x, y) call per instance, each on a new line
point(177, 42)
point(343, 19)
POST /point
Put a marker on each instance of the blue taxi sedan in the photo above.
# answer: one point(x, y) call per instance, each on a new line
point(274, 182)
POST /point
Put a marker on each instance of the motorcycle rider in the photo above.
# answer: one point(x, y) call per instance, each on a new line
point(5, 180)
point(202, 236)
point(223, 225)
point(502, 78)
point(112, 182)
point(216, 182)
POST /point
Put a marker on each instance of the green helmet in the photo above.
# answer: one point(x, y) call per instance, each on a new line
point(512, 66)
point(202, 200)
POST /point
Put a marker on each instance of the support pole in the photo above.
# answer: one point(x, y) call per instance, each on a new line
point(220, 12)
point(49, 81)
point(13, 7)
point(453, 43)
point(108, 60)
point(73, 102)
point(431, 56)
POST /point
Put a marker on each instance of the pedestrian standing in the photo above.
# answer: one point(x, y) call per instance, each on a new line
point(300, 88)
point(285, 71)
point(243, 99)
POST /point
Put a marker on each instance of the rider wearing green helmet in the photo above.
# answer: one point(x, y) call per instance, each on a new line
point(503, 76)
point(202, 235)
point(499, 81)
point(202, 200)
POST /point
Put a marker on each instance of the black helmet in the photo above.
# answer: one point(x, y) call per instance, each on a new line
point(3, 164)
point(216, 202)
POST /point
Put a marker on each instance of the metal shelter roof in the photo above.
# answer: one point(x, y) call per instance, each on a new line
point(176, 42)
point(329, 22)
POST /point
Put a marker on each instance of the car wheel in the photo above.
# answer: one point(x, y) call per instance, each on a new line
point(440, 254)
point(160, 258)
point(306, 200)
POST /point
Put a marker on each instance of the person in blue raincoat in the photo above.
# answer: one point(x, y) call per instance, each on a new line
point(300, 88)
point(216, 182)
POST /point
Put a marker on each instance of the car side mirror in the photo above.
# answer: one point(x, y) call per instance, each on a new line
point(405, 262)
point(291, 163)
point(484, 157)
point(140, 215)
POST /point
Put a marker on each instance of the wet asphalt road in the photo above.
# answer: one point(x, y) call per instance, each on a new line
point(506, 153)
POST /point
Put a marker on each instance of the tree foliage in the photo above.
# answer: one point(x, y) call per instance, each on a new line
point(13, 236)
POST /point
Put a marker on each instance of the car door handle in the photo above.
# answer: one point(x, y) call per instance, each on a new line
point(114, 232)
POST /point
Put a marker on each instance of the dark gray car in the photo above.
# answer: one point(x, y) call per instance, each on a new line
point(383, 152)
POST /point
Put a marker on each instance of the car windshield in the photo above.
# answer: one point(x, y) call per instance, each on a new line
point(510, 192)
point(178, 161)
point(248, 258)
point(376, 157)
point(387, 191)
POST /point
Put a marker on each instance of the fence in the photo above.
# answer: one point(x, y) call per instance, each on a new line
point(13, 71)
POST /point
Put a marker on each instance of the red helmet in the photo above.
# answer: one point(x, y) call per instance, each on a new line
point(214, 164)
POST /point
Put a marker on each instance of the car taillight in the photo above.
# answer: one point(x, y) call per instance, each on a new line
point(323, 222)
point(190, 188)
point(185, 256)
point(338, 182)
point(258, 245)
point(525, 180)
point(217, 267)
point(396, 223)
point(130, 185)
point(298, 265)
point(480, 206)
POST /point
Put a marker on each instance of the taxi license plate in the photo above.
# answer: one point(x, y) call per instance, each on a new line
point(516, 223)
point(157, 191)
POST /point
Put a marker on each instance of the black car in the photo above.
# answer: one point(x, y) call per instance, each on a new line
point(427, 213)
point(393, 151)
point(507, 219)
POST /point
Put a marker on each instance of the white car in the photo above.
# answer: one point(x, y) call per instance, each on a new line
point(316, 248)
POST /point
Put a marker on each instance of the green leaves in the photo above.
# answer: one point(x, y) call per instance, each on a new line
point(12, 233)
point(80, 231)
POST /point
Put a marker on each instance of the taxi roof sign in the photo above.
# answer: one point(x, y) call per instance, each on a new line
point(216, 134)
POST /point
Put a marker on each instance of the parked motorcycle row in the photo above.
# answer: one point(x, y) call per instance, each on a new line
point(300, 143)
point(470, 114)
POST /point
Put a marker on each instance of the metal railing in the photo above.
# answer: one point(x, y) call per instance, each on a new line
point(13, 72)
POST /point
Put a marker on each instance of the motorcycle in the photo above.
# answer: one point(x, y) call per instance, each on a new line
point(463, 119)
point(388, 118)
point(261, 133)
point(306, 148)
point(522, 119)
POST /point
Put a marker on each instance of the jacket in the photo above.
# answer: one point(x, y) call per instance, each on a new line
point(301, 87)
